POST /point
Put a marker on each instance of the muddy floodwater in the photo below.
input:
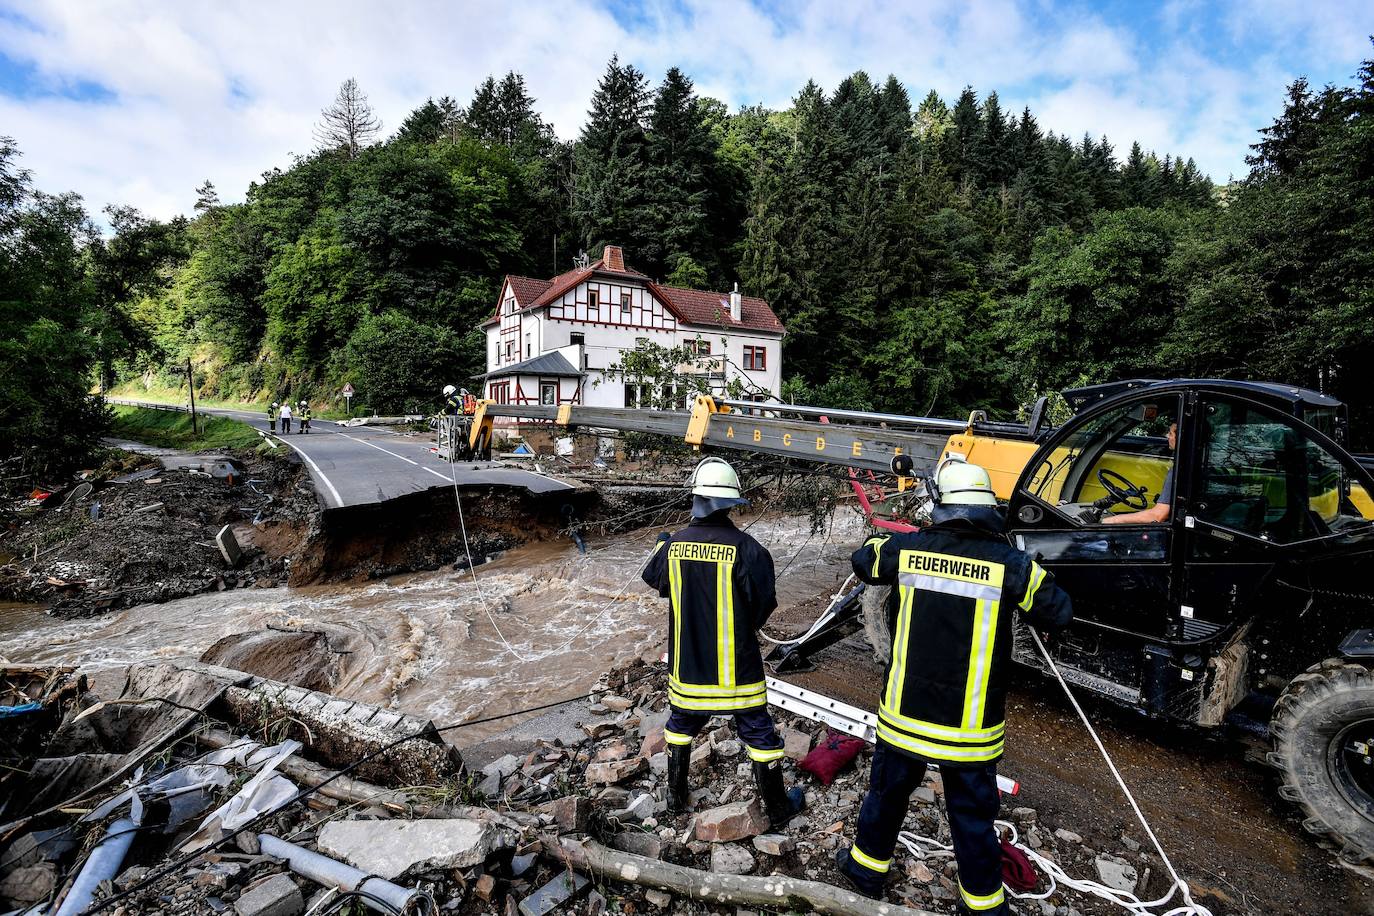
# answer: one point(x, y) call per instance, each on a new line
point(539, 623)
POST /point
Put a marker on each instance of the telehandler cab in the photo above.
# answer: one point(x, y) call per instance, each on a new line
point(1251, 602)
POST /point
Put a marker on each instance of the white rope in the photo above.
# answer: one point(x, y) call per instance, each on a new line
point(916, 844)
point(820, 621)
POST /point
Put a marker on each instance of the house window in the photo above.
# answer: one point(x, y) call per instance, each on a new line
point(510, 306)
point(578, 338)
point(496, 355)
point(639, 395)
point(624, 304)
point(755, 358)
point(699, 347)
point(593, 305)
point(548, 393)
point(510, 349)
point(641, 343)
point(529, 347)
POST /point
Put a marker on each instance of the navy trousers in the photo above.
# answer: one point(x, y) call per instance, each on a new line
point(972, 803)
point(754, 727)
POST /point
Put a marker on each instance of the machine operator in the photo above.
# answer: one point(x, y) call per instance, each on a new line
point(956, 585)
point(720, 587)
point(1159, 512)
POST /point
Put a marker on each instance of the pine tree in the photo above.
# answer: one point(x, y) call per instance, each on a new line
point(611, 163)
point(349, 123)
point(929, 124)
point(894, 116)
point(961, 142)
point(207, 198)
point(681, 155)
point(423, 125)
point(1290, 140)
point(1136, 187)
point(994, 154)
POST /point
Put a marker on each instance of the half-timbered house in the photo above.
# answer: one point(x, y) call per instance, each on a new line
point(561, 340)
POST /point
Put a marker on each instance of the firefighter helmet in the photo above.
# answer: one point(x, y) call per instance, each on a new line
point(715, 486)
point(959, 483)
point(302, 403)
point(448, 390)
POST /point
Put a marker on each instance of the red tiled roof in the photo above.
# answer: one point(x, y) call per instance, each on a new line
point(527, 289)
point(690, 306)
point(696, 306)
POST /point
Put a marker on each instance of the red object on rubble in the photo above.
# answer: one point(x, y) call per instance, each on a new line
point(832, 755)
point(1017, 871)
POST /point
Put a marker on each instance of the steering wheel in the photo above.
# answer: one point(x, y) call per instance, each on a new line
point(1125, 492)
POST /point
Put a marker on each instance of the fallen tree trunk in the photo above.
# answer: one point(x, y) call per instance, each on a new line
point(348, 789)
point(775, 891)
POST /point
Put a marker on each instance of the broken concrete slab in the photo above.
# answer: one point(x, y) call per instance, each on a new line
point(639, 843)
point(774, 844)
point(795, 743)
point(570, 813)
point(731, 860)
point(229, 547)
point(728, 823)
point(393, 848)
point(613, 771)
point(557, 892)
point(503, 766)
point(277, 896)
point(1117, 873)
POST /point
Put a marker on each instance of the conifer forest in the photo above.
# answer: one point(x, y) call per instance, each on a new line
point(927, 255)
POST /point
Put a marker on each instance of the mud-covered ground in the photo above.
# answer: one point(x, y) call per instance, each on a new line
point(1216, 811)
point(146, 534)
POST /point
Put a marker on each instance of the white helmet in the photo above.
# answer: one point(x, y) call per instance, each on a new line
point(448, 390)
point(275, 404)
point(302, 403)
point(959, 483)
point(715, 478)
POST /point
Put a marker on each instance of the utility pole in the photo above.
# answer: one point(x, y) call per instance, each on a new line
point(191, 386)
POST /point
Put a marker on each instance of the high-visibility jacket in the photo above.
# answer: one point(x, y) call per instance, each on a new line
point(305, 414)
point(453, 405)
point(957, 585)
point(719, 584)
point(271, 413)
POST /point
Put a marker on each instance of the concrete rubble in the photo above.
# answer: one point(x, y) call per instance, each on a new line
point(495, 837)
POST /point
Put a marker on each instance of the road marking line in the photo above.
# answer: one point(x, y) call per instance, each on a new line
point(338, 500)
point(380, 449)
point(440, 476)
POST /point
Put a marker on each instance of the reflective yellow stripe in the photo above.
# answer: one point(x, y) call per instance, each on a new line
point(764, 756)
point(676, 737)
point(980, 662)
point(716, 690)
point(1037, 578)
point(936, 751)
point(675, 600)
point(877, 545)
point(941, 732)
point(713, 704)
point(879, 865)
point(896, 678)
point(722, 674)
point(982, 902)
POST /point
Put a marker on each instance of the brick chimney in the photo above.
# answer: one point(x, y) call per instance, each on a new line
point(613, 258)
point(736, 305)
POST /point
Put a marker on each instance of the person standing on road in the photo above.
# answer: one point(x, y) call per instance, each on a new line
point(305, 417)
point(286, 418)
point(957, 584)
point(272, 418)
point(719, 584)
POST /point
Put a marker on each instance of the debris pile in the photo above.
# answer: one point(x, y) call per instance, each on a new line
point(133, 532)
point(188, 799)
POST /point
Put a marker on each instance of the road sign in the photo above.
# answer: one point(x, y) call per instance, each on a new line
point(348, 389)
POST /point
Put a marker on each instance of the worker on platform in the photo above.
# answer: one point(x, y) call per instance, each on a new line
point(453, 404)
point(305, 416)
point(956, 585)
point(272, 417)
point(719, 584)
point(286, 417)
point(468, 401)
point(1161, 510)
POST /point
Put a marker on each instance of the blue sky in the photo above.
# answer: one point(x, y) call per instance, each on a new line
point(138, 103)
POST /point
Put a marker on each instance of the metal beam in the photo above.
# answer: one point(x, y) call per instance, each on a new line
point(858, 416)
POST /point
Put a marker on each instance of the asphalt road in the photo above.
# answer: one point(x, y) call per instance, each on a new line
point(364, 465)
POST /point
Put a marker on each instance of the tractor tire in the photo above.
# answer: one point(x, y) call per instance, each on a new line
point(873, 602)
point(1309, 729)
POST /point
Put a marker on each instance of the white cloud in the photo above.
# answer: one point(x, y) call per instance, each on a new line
point(230, 89)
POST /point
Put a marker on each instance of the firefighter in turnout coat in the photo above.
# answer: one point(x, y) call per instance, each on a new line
point(956, 586)
point(719, 584)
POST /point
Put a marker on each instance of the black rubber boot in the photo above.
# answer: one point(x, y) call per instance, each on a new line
point(779, 804)
point(868, 883)
point(679, 758)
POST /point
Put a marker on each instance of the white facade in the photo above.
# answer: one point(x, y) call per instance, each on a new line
point(593, 322)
